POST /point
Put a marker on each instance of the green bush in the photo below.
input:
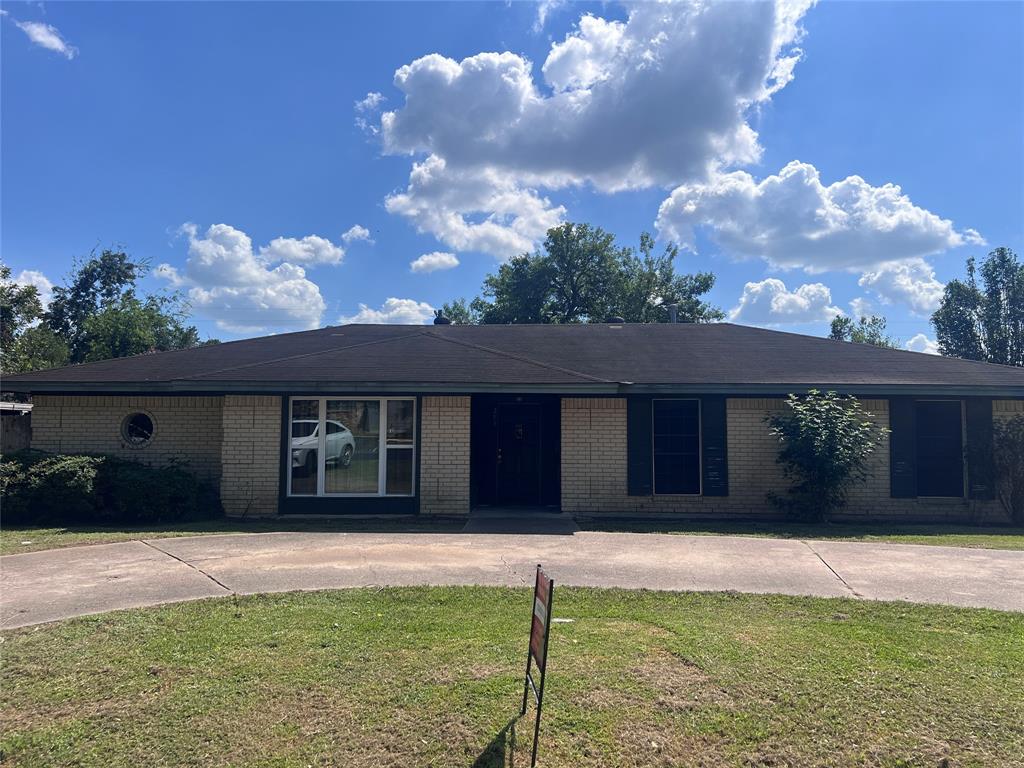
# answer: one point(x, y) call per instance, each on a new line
point(45, 489)
point(826, 441)
point(1009, 465)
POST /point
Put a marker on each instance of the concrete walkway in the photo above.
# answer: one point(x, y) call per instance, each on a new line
point(56, 584)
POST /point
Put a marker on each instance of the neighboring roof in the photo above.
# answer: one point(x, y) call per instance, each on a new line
point(593, 358)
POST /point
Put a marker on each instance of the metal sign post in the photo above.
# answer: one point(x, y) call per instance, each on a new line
point(538, 650)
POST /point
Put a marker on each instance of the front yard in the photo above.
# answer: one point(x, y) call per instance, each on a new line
point(433, 676)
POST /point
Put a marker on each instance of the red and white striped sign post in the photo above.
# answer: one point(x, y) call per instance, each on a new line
point(542, 592)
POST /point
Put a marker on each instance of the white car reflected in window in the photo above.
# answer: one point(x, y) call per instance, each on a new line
point(341, 445)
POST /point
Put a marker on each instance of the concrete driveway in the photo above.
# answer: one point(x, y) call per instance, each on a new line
point(56, 584)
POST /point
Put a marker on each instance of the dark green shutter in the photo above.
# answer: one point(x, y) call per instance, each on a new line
point(902, 448)
point(980, 457)
point(639, 449)
point(715, 455)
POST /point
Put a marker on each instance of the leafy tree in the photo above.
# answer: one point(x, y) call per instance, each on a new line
point(459, 312)
point(97, 283)
point(96, 314)
point(132, 326)
point(647, 282)
point(867, 330)
point(99, 314)
point(19, 306)
point(986, 321)
point(1008, 451)
point(582, 276)
point(518, 293)
point(826, 440)
point(35, 349)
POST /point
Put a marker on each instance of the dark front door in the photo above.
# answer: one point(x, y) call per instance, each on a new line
point(518, 454)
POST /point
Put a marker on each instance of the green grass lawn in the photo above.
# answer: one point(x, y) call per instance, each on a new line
point(32, 539)
point(433, 676)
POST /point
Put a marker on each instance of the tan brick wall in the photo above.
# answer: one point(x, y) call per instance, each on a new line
point(1007, 409)
point(594, 468)
point(187, 429)
point(251, 455)
point(444, 455)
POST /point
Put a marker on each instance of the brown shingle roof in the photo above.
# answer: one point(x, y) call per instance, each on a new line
point(595, 357)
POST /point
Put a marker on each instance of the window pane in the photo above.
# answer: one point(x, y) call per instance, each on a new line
point(676, 446)
point(353, 443)
point(399, 471)
point(940, 454)
point(400, 424)
point(305, 419)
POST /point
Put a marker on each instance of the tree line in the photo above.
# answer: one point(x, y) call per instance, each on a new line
point(98, 313)
point(977, 319)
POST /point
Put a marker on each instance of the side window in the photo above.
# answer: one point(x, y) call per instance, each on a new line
point(676, 437)
point(940, 448)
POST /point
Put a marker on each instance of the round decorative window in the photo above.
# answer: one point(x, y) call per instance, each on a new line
point(137, 429)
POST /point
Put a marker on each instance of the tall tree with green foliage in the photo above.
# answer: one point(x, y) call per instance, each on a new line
point(36, 349)
point(99, 314)
point(19, 306)
point(132, 326)
point(25, 345)
point(867, 330)
point(95, 315)
point(459, 312)
point(984, 321)
point(582, 276)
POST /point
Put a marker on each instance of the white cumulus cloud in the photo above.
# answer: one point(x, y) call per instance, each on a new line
point(311, 250)
point(661, 98)
point(769, 302)
point(474, 210)
point(42, 284)
point(245, 291)
point(47, 36)
point(793, 220)
point(434, 262)
point(911, 282)
point(921, 343)
point(392, 311)
point(861, 306)
point(356, 232)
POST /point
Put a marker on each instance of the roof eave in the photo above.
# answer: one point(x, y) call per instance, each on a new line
point(582, 388)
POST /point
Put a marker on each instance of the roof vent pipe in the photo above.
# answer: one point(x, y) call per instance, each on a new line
point(440, 319)
point(673, 312)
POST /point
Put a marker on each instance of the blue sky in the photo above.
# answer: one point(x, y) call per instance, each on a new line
point(234, 146)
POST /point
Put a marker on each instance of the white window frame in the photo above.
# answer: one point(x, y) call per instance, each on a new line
point(700, 447)
point(382, 448)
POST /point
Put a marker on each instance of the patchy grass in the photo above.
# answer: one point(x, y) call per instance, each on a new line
point(17, 539)
point(982, 537)
point(28, 539)
point(433, 676)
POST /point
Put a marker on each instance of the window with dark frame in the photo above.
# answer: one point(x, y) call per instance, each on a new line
point(940, 448)
point(137, 429)
point(676, 438)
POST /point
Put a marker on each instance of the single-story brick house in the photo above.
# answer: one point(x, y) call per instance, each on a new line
point(603, 418)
